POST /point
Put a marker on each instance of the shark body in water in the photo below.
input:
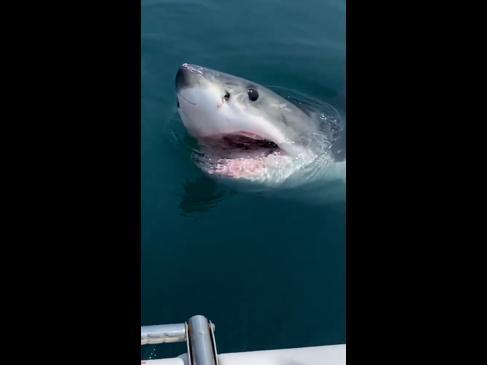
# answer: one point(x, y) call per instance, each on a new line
point(251, 137)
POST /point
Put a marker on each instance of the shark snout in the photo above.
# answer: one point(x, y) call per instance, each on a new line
point(189, 75)
point(182, 77)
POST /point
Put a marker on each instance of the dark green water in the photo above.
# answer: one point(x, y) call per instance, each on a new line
point(269, 273)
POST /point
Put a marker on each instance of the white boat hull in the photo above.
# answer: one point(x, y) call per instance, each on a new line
point(318, 355)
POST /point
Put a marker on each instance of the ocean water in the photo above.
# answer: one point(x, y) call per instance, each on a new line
point(269, 272)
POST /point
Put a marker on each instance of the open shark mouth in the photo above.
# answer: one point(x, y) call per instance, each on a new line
point(241, 155)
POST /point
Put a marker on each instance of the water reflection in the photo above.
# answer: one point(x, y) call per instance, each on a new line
point(200, 194)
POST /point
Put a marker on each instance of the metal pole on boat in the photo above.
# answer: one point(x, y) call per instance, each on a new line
point(165, 333)
point(201, 342)
point(198, 333)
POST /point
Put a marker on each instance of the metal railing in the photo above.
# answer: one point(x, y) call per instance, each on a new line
point(198, 332)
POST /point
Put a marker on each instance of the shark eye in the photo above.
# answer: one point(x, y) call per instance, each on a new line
point(253, 94)
point(226, 96)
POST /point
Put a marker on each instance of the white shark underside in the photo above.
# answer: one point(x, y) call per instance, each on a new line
point(253, 137)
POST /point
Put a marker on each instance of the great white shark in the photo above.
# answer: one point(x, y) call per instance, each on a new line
point(252, 136)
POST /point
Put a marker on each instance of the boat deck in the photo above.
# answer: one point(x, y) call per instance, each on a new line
point(319, 355)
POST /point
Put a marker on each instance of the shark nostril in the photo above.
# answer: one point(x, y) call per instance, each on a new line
point(181, 78)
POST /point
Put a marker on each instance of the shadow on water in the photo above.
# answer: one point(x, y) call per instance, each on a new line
point(200, 195)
